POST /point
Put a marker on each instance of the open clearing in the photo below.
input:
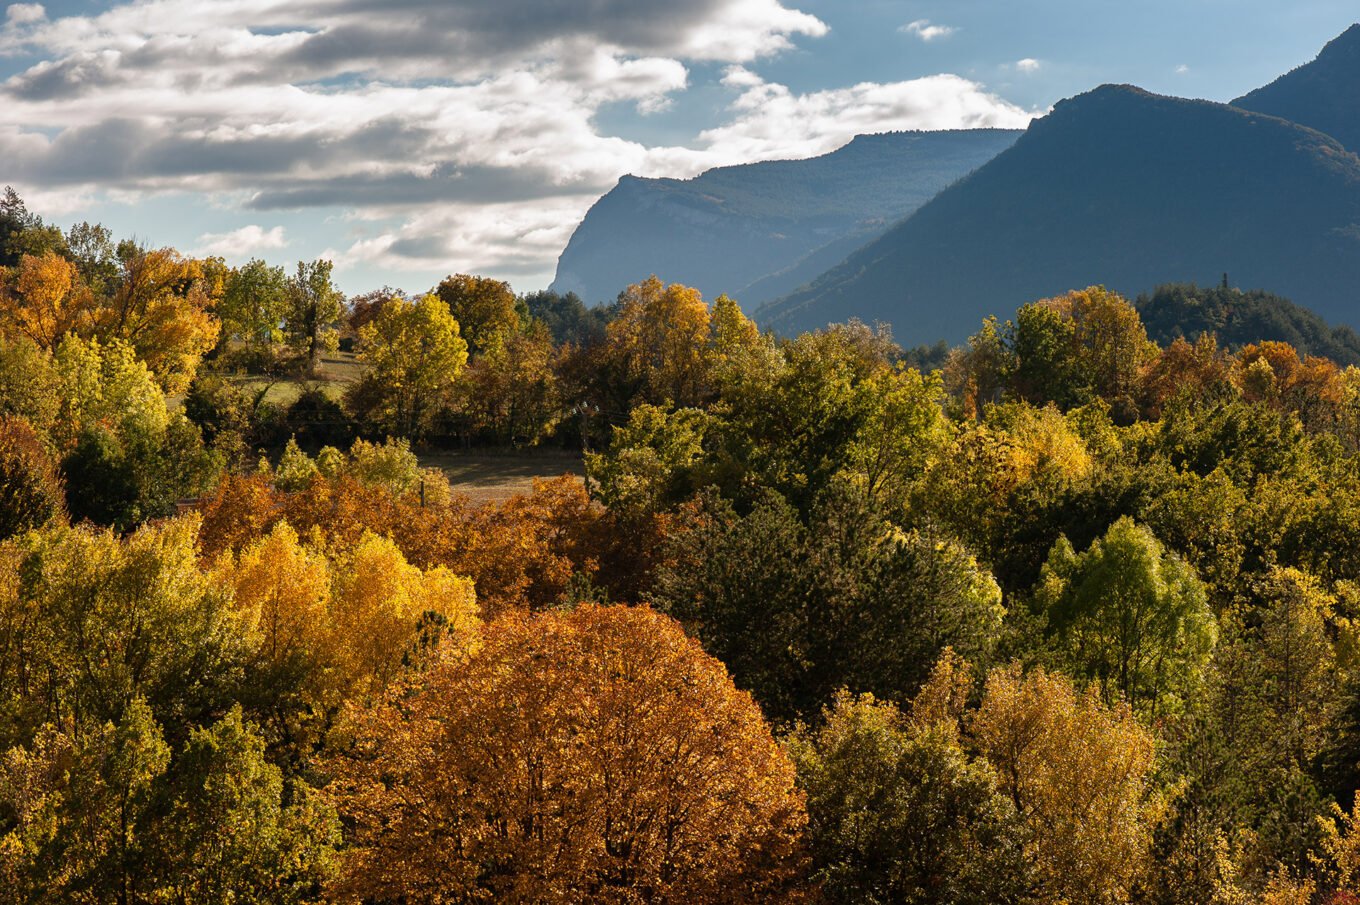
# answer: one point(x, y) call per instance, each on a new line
point(487, 477)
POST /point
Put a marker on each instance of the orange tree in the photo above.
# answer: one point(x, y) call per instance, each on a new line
point(592, 755)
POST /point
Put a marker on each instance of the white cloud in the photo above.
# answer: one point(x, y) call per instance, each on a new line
point(1028, 65)
point(241, 243)
point(1182, 69)
point(25, 13)
point(922, 29)
point(453, 135)
point(773, 121)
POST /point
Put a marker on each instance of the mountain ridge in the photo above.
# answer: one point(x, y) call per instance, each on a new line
point(730, 227)
point(1117, 186)
point(1323, 93)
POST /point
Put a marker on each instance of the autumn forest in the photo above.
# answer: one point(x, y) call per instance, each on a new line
point(1060, 616)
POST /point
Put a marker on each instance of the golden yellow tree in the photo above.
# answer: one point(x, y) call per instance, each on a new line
point(47, 300)
point(162, 309)
point(661, 338)
point(377, 604)
point(282, 595)
point(596, 755)
point(1079, 775)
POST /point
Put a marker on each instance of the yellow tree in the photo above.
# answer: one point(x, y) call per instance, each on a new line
point(282, 594)
point(1079, 776)
point(378, 601)
point(417, 352)
point(47, 300)
point(161, 308)
point(597, 755)
point(660, 339)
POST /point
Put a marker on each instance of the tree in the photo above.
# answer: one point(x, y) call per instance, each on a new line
point(511, 391)
point(99, 621)
point(834, 408)
point(125, 456)
point(48, 300)
point(1074, 347)
point(15, 219)
point(254, 306)
point(416, 353)
point(1045, 368)
point(659, 339)
point(82, 806)
point(162, 309)
point(314, 308)
point(898, 813)
point(91, 249)
point(31, 491)
point(1079, 775)
point(977, 374)
point(281, 598)
point(377, 602)
point(486, 309)
point(30, 387)
point(593, 755)
point(567, 318)
point(797, 611)
point(1130, 616)
point(231, 830)
point(647, 465)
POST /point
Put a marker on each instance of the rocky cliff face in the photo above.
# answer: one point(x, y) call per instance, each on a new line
point(730, 228)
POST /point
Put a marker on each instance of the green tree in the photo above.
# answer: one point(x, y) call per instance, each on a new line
point(647, 466)
point(900, 814)
point(229, 830)
point(797, 611)
point(75, 811)
point(98, 621)
point(1130, 616)
point(314, 308)
point(255, 305)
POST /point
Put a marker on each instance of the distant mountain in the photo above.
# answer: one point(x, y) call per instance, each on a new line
point(1323, 95)
point(730, 227)
point(1115, 186)
point(1238, 318)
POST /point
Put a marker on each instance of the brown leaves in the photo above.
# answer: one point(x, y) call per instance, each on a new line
point(522, 553)
point(597, 755)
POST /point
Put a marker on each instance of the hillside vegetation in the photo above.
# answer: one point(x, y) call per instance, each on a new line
point(1070, 618)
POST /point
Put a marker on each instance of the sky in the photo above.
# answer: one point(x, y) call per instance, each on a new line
point(409, 139)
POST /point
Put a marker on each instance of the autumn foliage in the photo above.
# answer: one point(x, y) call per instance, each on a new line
point(597, 755)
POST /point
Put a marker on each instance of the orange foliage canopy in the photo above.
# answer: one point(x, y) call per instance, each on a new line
point(597, 755)
point(520, 554)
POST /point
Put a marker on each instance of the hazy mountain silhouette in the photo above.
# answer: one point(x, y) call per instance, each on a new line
point(733, 226)
point(1323, 94)
point(1115, 186)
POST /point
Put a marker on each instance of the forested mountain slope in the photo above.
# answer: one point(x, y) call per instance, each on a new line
point(1323, 94)
point(1239, 318)
point(1115, 186)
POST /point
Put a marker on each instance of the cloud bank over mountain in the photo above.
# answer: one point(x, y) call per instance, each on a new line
point(452, 135)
